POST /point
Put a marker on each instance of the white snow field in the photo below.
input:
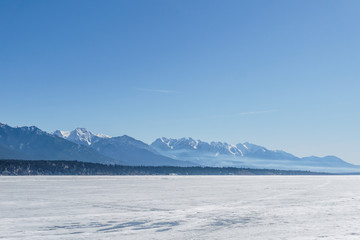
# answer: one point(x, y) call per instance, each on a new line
point(180, 207)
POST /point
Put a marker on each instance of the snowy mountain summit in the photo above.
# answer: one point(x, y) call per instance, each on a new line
point(218, 148)
point(82, 145)
point(169, 144)
point(222, 154)
point(80, 136)
point(124, 149)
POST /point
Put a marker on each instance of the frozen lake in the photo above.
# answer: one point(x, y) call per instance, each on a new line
point(180, 207)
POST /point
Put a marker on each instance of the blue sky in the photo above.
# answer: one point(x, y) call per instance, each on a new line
point(282, 74)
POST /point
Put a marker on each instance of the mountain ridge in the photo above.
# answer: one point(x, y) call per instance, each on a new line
point(240, 149)
point(125, 148)
point(241, 155)
point(31, 143)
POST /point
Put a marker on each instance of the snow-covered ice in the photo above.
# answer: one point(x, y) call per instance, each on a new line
point(180, 207)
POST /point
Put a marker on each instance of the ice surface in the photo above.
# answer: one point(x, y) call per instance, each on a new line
point(180, 207)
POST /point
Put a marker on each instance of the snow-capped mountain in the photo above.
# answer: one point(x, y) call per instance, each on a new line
point(218, 148)
point(124, 148)
point(80, 136)
point(168, 144)
point(134, 152)
point(222, 154)
point(62, 134)
point(31, 143)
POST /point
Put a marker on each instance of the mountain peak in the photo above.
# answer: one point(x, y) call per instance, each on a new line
point(33, 129)
point(62, 134)
point(80, 136)
point(127, 137)
point(82, 130)
point(101, 135)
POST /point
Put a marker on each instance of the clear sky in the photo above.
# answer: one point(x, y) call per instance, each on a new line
point(282, 74)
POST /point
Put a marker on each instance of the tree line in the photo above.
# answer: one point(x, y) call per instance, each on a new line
point(58, 167)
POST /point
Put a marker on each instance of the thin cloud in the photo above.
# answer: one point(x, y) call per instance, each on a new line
point(154, 90)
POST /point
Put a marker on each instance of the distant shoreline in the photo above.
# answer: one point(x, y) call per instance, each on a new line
point(10, 167)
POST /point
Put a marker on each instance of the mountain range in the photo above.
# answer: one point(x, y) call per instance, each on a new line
point(31, 143)
point(219, 154)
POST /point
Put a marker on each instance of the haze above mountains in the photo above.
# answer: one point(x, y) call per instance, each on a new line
point(31, 143)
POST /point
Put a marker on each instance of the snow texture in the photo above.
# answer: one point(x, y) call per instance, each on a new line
point(180, 207)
